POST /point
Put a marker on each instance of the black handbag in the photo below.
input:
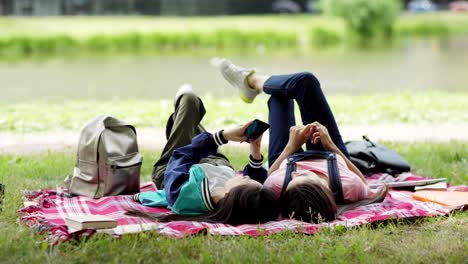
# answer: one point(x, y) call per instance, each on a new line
point(370, 157)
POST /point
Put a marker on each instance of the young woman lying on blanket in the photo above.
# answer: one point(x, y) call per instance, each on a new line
point(308, 196)
point(197, 182)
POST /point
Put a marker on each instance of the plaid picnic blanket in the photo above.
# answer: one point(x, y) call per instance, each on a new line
point(45, 211)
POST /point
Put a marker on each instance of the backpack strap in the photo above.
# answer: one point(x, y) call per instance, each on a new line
point(334, 178)
point(333, 172)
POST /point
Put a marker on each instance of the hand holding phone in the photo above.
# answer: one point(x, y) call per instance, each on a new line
point(256, 129)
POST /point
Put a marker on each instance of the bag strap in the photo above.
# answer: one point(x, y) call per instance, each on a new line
point(366, 138)
point(334, 178)
point(333, 172)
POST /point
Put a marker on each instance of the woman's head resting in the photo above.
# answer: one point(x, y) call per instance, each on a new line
point(303, 176)
point(246, 202)
point(220, 192)
point(308, 198)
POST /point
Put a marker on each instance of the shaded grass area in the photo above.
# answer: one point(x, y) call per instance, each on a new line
point(441, 239)
point(402, 107)
point(77, 36)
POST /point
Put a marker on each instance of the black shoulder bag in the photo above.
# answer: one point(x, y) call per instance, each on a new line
point(333, 173)
point(370, 157)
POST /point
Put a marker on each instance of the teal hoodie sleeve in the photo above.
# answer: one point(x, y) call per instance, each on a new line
point(153, 199)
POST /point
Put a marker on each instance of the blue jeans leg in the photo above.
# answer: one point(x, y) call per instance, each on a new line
point(305, 89)
point(281, 118)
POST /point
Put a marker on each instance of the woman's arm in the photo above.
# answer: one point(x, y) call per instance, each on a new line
point(298, 135)
point(254, 169)
point(284, 154)
point(320, 133)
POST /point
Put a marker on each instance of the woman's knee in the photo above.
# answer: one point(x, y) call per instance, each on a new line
point(190, 101)
point(309, 77)
point(190, 106)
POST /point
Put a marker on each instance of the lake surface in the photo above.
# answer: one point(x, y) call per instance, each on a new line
point(415, 64)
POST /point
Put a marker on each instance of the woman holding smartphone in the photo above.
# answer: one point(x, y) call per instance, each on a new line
point(197, 182)
point(307, 196)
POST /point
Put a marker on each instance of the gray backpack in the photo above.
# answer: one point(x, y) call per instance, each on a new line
point(108, 161)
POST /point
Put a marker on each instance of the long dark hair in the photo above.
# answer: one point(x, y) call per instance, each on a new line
point(244, 204)
point(313, 202)
point(308, 202)
point(378, 197)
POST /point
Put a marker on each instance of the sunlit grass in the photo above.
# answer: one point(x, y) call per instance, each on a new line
point(429, 240)
point(401, 107)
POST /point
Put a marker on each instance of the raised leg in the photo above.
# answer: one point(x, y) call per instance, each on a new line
point(305, 89)
point(181, 127)
point(281, 118)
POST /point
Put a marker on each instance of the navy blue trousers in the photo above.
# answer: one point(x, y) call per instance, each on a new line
point(305, 89)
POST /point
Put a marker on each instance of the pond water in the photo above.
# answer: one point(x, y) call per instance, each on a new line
point(415, 64)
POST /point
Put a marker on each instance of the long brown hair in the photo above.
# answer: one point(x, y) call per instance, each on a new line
point(313, 202)
point(244, 204)
point(378, 197)
point(308, 202)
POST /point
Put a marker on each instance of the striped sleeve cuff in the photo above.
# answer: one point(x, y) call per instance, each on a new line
point(256, 164)
point(206, 196)
point(219, 138)
point(135, 197)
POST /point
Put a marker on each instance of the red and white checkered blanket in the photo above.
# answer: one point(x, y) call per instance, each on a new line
point(45, 211)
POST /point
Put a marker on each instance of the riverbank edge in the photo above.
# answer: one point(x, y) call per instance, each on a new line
point(73, 36)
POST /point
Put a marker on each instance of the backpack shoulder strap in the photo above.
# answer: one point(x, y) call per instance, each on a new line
point(334, 178)
point(333, 172)
point(89, 139)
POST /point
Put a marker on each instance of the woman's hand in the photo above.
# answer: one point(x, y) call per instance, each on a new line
point(236, 133)
point(320, 133)
point(255, 148)
point(298, 135)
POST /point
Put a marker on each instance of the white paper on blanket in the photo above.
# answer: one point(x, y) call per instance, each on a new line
point(409, 183)
point(435, 187)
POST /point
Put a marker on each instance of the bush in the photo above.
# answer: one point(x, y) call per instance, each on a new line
point(367, 19)
point(325, 37)
point(425, 28)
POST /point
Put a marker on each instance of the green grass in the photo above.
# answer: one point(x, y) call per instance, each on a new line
point(429, 240)
point(432, 24)
point(82, 36)
point(400, 107)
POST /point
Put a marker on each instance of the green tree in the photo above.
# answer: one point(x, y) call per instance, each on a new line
point(367, 18)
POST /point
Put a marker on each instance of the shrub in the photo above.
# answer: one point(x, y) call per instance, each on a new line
point(425, 28)
point(367, 19)
point(324, 37)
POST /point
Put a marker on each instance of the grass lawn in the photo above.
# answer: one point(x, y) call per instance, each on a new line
point(441, 239)
point(26, 37)
point(401, 107)
point(86, 26)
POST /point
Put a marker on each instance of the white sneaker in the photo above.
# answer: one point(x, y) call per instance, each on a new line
point(237, 77)
point(183, 89)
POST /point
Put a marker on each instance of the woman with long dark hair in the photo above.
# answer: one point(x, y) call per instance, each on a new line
point(308, 195)
point(197, 182)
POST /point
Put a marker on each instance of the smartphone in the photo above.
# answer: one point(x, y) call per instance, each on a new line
point(255, 130)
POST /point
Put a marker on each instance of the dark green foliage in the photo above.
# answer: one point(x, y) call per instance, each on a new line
point(325, 37)
point(367, 19)
point(155, 42)
point(426, 28)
